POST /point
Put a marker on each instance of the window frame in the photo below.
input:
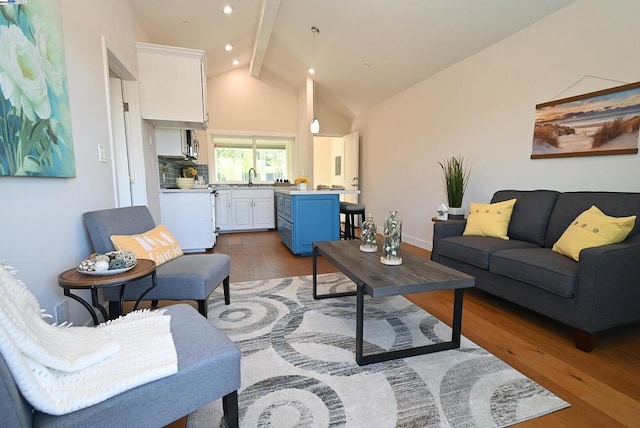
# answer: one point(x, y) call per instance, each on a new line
point(290, 147)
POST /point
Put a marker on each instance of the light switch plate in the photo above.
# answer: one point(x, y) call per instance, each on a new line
point(102, 154)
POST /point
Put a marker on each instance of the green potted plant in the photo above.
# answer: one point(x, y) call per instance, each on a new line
point(456, 178)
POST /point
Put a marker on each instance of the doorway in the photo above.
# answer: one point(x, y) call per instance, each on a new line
point(127, 156)
point(336, 161)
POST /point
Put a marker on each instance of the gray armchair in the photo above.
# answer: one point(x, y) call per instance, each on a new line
point(208, 369)
point(189, 277)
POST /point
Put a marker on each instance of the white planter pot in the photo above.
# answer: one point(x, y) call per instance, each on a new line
point(456, 213)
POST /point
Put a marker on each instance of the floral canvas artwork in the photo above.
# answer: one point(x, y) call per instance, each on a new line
point(35, 121)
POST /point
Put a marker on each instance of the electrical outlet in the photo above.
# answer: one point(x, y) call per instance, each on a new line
point(62, 312)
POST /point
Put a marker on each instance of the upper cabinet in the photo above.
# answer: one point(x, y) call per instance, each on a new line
point(173, 86)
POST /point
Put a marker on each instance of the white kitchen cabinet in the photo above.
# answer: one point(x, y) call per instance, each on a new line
point(252, 209)
point(242, 213)
point(170, 142)
point(223, 210)
point(173, 86)
point(245, 209)
point(188, 215)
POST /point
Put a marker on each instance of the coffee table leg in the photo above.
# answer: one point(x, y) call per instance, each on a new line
point(360, 325)
point(456, 328)
point(363, 360)
point(315, 281)
point(315, 272)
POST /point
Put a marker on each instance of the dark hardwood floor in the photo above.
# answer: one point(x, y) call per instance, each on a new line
point(603, 386)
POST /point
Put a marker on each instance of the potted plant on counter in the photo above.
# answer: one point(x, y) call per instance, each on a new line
point(456, 178)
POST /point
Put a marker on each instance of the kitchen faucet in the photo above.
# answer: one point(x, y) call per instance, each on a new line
point(254, 174)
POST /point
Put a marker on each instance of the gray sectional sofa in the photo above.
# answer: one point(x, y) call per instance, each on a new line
point(598, 292)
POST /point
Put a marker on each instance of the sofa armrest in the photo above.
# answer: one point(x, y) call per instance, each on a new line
point(445, 229)
point(607, 292)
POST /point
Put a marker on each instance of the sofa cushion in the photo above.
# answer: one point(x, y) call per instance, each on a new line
point(157, 244)
point(531, 213)
point(570, 204)
point(540, 267)
point(593, 228)
point(489, 219)
point(476, 250)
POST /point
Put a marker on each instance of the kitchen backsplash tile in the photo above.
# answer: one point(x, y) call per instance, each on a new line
point(169, 170)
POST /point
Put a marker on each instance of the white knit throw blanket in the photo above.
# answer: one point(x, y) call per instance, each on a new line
point(62, 369)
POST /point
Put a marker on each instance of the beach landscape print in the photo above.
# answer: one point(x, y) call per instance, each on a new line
point(594, 124)
point(35, 121)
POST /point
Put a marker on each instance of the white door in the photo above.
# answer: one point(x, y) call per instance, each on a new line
point(351, 164)
point(120, 149)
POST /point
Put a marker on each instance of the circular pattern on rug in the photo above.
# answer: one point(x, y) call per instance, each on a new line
point(277, 402)
point(247, 319)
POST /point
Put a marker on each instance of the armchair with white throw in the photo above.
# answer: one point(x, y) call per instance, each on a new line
point(147, 369)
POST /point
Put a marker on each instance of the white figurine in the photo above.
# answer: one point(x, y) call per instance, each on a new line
point(443, 212)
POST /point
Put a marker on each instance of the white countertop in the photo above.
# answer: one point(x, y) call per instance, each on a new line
point(205, 190)
point(295, 191)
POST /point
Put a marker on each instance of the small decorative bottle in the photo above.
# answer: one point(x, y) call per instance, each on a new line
point(368, 238)
point(392, 238)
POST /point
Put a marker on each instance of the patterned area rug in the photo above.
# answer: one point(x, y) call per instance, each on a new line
point(299, 369)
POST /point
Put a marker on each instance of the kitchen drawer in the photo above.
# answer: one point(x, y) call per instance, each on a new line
point(283, 206)
point(285, 230)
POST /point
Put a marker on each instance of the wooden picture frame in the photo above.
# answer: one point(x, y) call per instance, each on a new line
point(594, 124)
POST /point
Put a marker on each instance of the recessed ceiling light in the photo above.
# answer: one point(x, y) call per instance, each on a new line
point(228, 47)
point(227, 10)
point(311, 70)
point(236, 62)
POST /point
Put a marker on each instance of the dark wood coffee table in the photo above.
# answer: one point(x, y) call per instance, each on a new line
point(414, 275)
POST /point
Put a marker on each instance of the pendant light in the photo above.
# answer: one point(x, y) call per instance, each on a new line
point(315, 123)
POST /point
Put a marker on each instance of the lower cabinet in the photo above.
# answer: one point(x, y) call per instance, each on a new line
point(307, 218)
point(245, 210)
point(188, 216)
point(223, 210)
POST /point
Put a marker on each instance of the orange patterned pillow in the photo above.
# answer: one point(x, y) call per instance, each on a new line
point(157, 244)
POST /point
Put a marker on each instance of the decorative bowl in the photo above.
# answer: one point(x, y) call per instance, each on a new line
point(185, 183)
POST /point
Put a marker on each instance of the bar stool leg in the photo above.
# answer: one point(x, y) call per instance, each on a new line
point(353, 226)
point(347, 226)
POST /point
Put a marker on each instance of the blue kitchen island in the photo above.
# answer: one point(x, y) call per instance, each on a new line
point(307, 216)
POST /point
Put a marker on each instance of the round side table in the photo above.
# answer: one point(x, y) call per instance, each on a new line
point(74, 280)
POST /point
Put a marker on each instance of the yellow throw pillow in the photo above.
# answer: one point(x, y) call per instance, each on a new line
point(489, 219)
point(593, 228)
point(157, 244)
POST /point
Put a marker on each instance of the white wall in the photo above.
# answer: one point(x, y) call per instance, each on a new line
point(484, 109)
point(41, 229)
point(239, 102)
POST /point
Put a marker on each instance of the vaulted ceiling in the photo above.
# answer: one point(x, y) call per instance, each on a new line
point(365, 52)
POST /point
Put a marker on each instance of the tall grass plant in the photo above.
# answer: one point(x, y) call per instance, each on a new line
point(456, 178)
